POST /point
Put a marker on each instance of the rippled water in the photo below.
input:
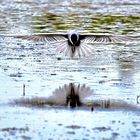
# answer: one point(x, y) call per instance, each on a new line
point(111, 71)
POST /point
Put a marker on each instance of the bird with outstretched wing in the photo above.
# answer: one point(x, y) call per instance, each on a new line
point(74, 43)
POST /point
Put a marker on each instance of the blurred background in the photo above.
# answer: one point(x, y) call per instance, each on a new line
point(50, 16)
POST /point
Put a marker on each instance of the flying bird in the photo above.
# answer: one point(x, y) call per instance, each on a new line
point(74, 43)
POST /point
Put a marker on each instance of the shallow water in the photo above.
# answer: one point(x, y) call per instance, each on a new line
point(111, 71)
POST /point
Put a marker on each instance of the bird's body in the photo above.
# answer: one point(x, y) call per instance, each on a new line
point(74, 43)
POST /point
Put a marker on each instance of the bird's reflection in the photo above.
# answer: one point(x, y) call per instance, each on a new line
point(73, 99)
point(75, 96)
point(71, 95)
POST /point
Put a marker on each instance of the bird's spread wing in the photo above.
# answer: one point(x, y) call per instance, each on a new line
point(106, 38)
point(42, 37)
point(57, 40)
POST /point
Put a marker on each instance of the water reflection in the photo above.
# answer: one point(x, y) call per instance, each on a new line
point(75, 96)
point(71, 95)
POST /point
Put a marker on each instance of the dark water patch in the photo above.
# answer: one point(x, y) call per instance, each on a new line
point(50, 138)
point(59, 58)
point(73, 127)
point(60, 124)
point(102, 81)
point(85, 138)
point(70, 132)
point(138, 129)
point(100, 129)
point(115, 135)
point(136, 123)
point(14, 58)
point(26, 137)
point(16, 75)
point(9, 129)
point(22, 56)
point(113, 121)
point(116, 80)
point(134, 134)
point(53, 74)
